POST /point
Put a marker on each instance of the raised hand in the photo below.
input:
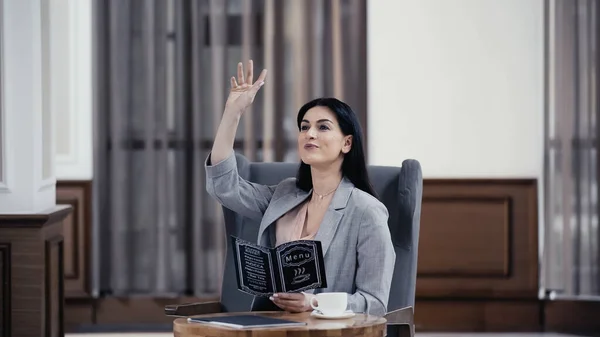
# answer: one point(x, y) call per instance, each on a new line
point(243, 90)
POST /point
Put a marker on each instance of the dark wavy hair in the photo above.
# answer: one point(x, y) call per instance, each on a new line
point(354, 166)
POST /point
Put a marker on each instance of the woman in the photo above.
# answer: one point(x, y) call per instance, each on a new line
point(331, 199)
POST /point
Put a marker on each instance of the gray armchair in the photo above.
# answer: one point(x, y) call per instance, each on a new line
point(399, 188)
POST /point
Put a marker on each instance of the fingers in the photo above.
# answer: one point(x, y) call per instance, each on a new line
point(292, 302)
point(262, 76)
point(250, 74)
point(289, 296)
point(256, 86)
point(240, 73)
point(247, 81)
point(288, 305)
point(289, 309)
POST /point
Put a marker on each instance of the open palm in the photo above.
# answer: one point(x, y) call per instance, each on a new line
point(243, 90)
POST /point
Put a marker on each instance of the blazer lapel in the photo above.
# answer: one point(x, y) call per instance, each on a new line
point(278, 209)
point(330, 221)
point(332, 217)
point(334, 214)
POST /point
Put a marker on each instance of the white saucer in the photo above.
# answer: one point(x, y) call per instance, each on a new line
point(346, 314)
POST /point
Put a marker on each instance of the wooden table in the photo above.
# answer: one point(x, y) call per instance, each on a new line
point(359, 325)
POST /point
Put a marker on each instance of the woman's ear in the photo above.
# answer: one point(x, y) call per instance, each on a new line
point(347, 144)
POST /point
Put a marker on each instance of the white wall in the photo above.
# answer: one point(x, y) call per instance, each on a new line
point(458, 85)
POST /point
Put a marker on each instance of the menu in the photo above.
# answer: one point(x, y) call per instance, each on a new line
point(290, 267)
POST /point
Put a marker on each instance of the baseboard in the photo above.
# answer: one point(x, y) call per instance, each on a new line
point(575, 317)
point(478, 315)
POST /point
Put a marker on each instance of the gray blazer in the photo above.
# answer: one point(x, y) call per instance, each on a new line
point(357, 246)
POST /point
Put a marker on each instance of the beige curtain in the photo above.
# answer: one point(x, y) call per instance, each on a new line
point(163, 69)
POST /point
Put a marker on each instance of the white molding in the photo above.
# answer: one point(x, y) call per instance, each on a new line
point(78, 163)
point(46, 184)
point(44, 114)
point(4, 181)
point(41, 94)
point(22, 104)
point(71, 131)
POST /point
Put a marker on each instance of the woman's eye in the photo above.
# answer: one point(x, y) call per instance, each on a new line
point(324, 127)
point(304, 127)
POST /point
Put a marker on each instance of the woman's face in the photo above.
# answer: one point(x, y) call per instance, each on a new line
point(320, 140)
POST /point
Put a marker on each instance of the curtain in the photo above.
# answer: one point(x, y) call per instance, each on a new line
point(162, 72)
point(571, 256)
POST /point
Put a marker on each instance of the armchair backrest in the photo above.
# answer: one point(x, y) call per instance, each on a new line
point(399, 188)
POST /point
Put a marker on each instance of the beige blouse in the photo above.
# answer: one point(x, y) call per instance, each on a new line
point(291, 225)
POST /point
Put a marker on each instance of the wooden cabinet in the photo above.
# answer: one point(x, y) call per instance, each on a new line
point(479, 239)
point(478, 256)
point(77, 236)
point(31, 270)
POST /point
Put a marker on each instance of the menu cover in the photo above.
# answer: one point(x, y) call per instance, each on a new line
point(290, 267)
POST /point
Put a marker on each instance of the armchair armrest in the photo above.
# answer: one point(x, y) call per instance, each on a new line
point(192, 309)
point(400, 323)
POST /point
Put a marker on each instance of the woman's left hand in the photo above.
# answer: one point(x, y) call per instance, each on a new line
point(292, 302)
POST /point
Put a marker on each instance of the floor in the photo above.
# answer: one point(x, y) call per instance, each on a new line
point(417, 335)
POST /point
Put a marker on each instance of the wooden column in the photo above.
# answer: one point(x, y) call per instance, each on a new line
point(31, 273)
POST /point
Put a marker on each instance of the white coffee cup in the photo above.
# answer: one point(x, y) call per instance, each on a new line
point(330, 304)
